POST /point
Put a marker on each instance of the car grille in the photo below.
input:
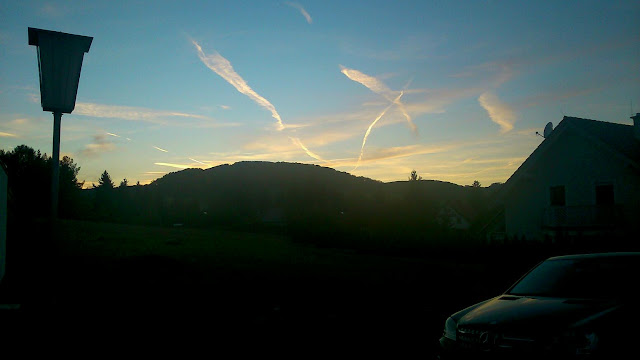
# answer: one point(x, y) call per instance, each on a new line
point(470, 337)
point(484, 339)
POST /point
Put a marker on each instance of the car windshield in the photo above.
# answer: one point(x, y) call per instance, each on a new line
point(577, 278)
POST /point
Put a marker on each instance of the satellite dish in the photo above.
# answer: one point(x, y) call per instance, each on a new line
point(548, 129)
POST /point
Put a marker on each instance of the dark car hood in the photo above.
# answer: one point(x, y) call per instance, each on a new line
point(530, 312)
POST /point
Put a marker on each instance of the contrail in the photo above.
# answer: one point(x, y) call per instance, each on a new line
point(200, 162)
point(366, 135)
point(412, 126)
point(380, 88)
point(223, 67)
point(177, 166)
point(302, 11)
point(309, 152)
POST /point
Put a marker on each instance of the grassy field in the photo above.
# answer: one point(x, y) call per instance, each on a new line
point(92, 273)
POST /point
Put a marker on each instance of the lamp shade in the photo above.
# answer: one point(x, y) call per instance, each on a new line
point(59, 62)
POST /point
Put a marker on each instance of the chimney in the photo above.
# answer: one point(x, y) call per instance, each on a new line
point(636, 126)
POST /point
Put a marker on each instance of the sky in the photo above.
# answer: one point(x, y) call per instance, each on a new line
point(453, 89)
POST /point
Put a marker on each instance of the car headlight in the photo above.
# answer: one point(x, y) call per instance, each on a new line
point(582, 342)
point(450, 328)
point(587, 343)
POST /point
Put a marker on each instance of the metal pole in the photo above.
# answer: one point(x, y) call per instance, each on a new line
point(55, 158)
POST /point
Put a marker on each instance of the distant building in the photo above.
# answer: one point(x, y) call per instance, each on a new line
point(456, 215)
point(582, 180)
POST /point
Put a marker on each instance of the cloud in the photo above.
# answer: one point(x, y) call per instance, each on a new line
point(130, 113)
point(49, 10)
point(232, 157)
point(6, 134)
point(392, 153)
point(310, 153)
point(378, 87)
point(223, 67)
point(301, 9)
point(225, 107)
point(35, 98)
point(112, 134)
point(368, 81)
point(160, 149)
point(199, 162)
point(177, 166)
point(99, 146)
point(198, 165)
point(499, 112)
point(330, 136)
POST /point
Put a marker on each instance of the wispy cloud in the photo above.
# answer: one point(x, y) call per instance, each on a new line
point(499, 112)
point(391, 153)
point(112, 134)
point(223, 67)
point(6, 134)
point(49, 10)
point(99, 146)
point(225, 107)
point(177, 166)
point(232, 157)
point(368, 81)
point(301, 9)
point(199, 162)
point(379, 87)
point(131, 113)
point(160, 149)
point(301, 145)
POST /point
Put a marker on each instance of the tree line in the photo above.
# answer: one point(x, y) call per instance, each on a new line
point(309, 202)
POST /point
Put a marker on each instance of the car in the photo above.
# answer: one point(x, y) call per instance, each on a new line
point(574, 306)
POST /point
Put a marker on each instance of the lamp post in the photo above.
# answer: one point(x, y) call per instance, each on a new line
point(59, 63)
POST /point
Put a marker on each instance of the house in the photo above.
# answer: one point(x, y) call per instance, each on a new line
point(456, 215)
point(582, 180)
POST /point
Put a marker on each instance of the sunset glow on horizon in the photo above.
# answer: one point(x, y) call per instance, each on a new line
point(455, 91)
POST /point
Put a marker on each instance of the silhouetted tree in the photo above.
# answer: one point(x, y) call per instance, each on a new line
point(124, 183)
point(104, 200)
point(105, 181)
point(29, 173)
point(70, 188)
point(476, 184)
point(414, 176)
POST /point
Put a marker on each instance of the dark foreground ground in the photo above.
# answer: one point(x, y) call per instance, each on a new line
point(107, 282)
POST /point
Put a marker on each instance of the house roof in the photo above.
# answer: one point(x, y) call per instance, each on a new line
point(463, 208)
point(619, 139)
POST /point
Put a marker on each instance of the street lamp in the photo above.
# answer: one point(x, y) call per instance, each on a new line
point(59, 62)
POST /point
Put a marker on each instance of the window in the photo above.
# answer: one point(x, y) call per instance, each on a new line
point(557, 195)
point(604, 194)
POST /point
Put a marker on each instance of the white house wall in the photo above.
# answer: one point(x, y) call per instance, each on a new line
point(578, 164)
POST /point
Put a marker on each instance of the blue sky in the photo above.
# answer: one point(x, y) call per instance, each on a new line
point(454, 90)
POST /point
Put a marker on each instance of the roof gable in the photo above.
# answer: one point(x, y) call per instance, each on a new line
point(618, 139)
